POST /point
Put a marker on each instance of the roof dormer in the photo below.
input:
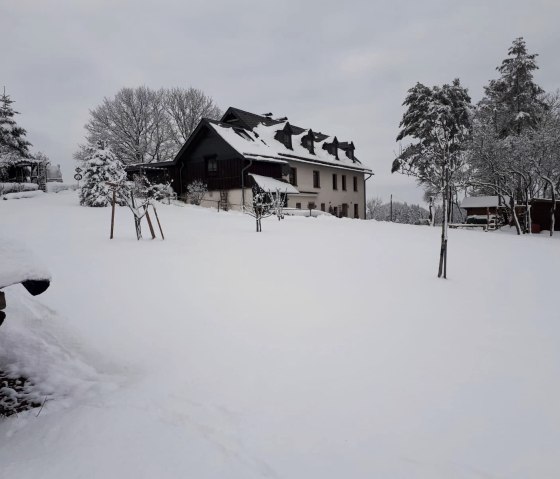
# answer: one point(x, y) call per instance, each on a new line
point(308, 141)
point(332, 147)
point(285, 135)
point(350, 151)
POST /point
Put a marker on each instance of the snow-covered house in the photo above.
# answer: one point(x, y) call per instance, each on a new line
point(482, 205)
point(54, 174)
point(316, 170)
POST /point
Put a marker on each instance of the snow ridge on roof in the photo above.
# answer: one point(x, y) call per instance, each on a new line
point(260, 142)
point(482, 202)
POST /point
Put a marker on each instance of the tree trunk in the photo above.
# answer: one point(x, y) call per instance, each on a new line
point(514, 215)
point(528, 218)
point(553, 212)
point(443, 251)
point(137, 224)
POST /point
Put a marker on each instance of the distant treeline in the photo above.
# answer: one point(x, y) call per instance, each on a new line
point(376, 209)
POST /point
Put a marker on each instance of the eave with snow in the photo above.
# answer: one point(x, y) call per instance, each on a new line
point(322, 171)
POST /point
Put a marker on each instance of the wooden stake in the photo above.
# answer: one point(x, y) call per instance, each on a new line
point(159, 224)
point(150, 223)
point(113, 212)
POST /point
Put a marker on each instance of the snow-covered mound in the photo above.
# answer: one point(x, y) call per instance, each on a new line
point(319, 348)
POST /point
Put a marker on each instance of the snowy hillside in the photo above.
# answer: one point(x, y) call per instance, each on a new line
point(320, 348)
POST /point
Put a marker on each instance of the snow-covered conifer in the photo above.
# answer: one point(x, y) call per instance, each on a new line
point(100, 167)
point(12, 136)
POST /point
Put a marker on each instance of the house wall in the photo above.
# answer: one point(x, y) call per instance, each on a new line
point(193, 166)
point(481, 211)
point(540, 214)
point(325, 194)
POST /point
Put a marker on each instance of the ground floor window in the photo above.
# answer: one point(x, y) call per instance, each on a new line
point(322, 206)
point(344, 210)
point(293, 176)
point(298, 206)
point(356, 213)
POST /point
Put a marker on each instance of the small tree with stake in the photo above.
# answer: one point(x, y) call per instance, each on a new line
point(439, 118)
point(138, 195)
point(262, 206)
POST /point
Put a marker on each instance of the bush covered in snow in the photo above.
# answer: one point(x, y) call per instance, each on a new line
point(55, 187)
point(100, 166)
point(196, 191)
point(22, 194)
point(17, 187)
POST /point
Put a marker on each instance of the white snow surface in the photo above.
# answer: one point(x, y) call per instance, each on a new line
point(189, 358)
point(261, 144)
point(22, 194)
point(482, 201)
point(18, 263)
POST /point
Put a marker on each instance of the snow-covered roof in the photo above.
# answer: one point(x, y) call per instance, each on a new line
point(482, 202)
point(272, 185)
point(20, 266)
point(260, 143)
point(246, 142)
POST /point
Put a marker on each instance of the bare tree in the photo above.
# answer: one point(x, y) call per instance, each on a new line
point(185, 109)
point(142, 125)
point(371, 206)
point(262, 206)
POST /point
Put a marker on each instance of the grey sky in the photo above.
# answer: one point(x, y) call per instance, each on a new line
point(341, 67)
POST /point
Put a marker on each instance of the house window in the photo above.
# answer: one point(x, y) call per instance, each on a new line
point(316, 180)
point(343, 182)
point(293, 176)
point(211, 166)
point(355, 183)
point(322, 206)
point(344, 212)
point(334, 182)
point(356, 212)
point(298, 206)
point(335, 211)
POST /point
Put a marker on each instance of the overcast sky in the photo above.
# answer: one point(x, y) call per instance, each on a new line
point(340, 67)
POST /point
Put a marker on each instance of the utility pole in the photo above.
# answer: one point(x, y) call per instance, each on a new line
point(391, 207)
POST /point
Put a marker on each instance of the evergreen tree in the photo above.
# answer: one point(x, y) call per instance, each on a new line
point(12, 137)
point(100, 166)
point(513, 101)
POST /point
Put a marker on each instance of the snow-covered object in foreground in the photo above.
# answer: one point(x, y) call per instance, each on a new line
point(11, 187)
point(100, 167)
point(22, 194)
point(19, 265)
point(314, 350)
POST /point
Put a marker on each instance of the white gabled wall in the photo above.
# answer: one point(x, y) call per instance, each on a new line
point(326, 194)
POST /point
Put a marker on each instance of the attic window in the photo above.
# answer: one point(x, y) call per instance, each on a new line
point(333, 148)
point(307, 142)
point(287, 140)
point(350, 151)
point(286, 135)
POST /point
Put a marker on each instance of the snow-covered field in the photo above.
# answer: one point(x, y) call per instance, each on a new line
point(320, 348)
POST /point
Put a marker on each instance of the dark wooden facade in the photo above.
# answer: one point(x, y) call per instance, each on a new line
point(540, 215)
point(209, 158)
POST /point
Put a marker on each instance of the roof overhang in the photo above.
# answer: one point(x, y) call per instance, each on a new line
point(272, 185)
